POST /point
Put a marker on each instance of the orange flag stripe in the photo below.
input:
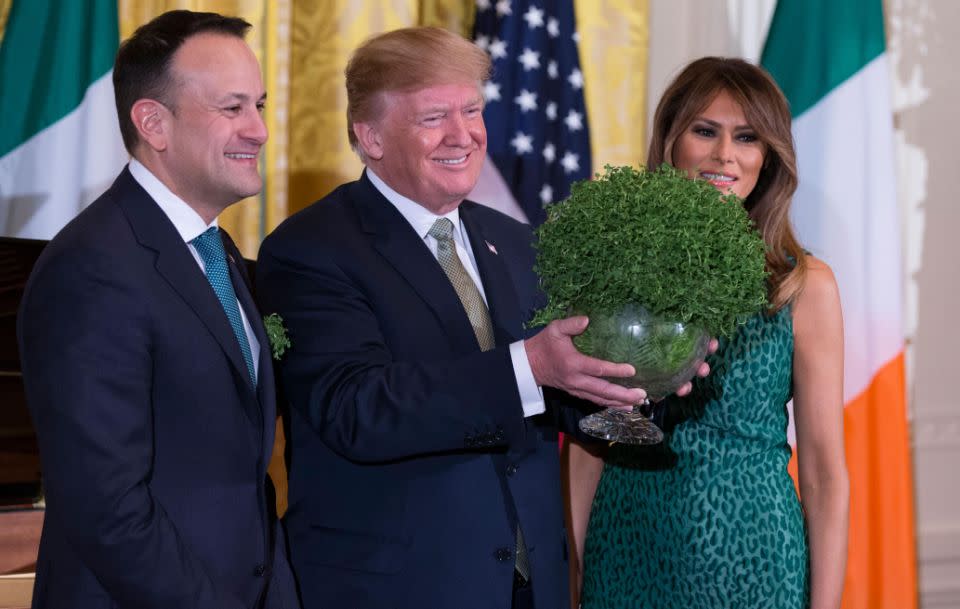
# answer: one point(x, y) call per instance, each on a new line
point(881, 561)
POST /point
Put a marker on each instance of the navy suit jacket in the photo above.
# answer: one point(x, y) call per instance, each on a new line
point(154, 444)
point(410, 460)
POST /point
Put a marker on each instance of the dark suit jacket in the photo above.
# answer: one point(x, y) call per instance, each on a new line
point(410, 460)
point(154, 444)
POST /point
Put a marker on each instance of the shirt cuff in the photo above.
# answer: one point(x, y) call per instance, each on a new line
point(531, 395)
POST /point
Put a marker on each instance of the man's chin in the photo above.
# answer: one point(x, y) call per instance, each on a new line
point(462, 187)
point(250, 189)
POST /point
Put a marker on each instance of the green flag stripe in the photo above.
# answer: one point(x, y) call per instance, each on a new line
point(51, 53)
point(814, 45)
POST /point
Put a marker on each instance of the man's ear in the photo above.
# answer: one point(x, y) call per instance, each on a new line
point(369, 139)
point(150, 118)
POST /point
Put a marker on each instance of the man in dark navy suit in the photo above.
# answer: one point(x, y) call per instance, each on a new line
point(422, 451)
point(146, 364)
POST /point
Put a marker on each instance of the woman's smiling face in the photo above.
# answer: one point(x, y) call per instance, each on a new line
point(721, 148)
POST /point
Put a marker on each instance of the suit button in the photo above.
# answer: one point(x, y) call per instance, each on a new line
point(259, 570)
point(511, 469)
point(503, 554)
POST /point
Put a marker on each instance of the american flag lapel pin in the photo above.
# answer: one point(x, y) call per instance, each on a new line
point(491, 247)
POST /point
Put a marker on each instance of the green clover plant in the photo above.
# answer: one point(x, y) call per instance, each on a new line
point(277, 335)
point(655, 238)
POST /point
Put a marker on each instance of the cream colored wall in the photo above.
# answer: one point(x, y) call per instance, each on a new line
point(682, 30)
point(923, 49)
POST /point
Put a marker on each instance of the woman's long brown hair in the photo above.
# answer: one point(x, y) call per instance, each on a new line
point(768, 114)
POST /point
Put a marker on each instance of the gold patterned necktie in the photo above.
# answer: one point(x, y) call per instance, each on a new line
point(442, 231)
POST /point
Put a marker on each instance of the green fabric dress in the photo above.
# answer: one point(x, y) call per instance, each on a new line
point(709, 519)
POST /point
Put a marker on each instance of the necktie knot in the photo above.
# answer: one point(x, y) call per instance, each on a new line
point(209, 246)
point(466, 289)
point(442, 229)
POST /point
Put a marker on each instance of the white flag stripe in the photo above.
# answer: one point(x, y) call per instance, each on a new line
point(492, 190)
point(51, 177)
point(846, 164)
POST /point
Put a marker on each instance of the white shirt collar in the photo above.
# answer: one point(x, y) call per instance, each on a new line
point(187, 221)
point(419, 217)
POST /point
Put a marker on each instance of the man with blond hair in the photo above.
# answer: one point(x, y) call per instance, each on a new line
point(423, 452)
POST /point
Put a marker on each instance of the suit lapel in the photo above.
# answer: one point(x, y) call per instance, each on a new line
point(266, 390)
point(504, 308)
point(264, 355)
point(501, 296)
point(403, 249)
point(179, 269)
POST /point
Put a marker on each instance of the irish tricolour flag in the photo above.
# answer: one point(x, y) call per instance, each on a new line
point(829, 57)
point(60, 144)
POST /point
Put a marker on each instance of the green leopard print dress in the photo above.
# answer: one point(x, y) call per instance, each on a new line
point(710, 518)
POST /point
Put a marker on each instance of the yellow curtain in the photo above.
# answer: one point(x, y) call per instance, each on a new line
point(4, 13)
point(613, 58)
point(455, 15)
point(324, 33)
point(276, 67)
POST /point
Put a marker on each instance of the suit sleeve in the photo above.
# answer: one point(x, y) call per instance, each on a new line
point(342, 378)
point(566, 411)
point(85, 341)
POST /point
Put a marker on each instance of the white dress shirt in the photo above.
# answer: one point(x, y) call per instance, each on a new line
point(190, 226)
point(422, 219)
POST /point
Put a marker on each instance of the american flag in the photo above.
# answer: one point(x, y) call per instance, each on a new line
point(535, 113)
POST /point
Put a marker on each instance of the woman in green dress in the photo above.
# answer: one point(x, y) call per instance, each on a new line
point(711, 517)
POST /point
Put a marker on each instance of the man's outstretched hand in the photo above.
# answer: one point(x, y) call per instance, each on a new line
point(556, 362)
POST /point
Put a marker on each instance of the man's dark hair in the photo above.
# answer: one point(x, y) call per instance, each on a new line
point(142, 66)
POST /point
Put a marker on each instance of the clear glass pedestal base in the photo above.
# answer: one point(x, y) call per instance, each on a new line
point(623, 426)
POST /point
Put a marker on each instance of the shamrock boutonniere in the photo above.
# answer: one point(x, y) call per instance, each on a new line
point(276, 334)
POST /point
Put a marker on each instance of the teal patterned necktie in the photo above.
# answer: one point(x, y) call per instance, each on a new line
point(210, 247)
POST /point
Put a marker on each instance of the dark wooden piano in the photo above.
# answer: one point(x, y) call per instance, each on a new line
point(21, 514)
